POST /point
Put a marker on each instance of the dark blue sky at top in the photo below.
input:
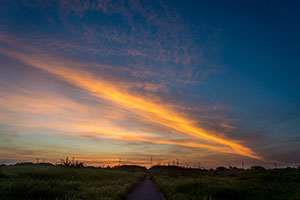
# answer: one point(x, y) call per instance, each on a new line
point(260, 53)
point(245, 54)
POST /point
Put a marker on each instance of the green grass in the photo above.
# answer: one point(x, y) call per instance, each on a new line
point(57, 182)
point(185, 184)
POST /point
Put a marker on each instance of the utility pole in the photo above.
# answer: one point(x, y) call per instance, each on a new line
point(151, 161)
point(177, 163)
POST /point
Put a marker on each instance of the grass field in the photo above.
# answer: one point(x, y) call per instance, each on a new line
point(58, 182)
point(188, 184)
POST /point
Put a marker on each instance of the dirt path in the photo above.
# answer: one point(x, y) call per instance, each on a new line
point(145, 191)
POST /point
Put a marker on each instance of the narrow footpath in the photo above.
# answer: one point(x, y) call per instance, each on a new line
point(145, 191)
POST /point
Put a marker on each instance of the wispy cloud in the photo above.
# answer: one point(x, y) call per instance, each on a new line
point(147, 38)
point(152, 111)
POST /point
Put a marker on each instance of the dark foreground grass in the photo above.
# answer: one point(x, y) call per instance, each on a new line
point(185, 184)
point(57, 182)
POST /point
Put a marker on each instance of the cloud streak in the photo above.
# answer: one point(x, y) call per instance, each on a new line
point(154, 111)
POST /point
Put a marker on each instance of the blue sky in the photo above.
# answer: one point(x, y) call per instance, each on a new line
point(209, 81)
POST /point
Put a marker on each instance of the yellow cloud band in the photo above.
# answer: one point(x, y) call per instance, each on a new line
point(71, 72)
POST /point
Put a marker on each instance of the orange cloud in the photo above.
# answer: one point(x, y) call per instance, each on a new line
point(155, 112)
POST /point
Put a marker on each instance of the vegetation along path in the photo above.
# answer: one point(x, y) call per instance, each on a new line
point(146, 191)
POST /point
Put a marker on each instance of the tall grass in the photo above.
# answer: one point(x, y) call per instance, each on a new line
point(184, 184)
point(58, 182)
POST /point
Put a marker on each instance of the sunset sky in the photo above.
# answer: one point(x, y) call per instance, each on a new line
point(208, 82)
